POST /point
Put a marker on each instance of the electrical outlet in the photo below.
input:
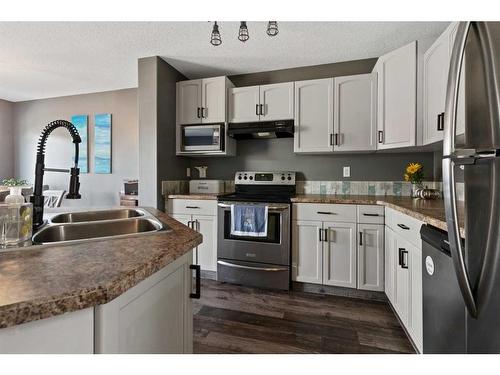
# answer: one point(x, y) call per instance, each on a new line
point(347, 172)
point(188, 172)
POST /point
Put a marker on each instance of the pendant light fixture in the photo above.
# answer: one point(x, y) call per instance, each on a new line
point(215, 38)
point(243, 35)
point(272, 28)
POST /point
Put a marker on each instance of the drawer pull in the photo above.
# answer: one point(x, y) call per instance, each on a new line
point(360, 238)
point(402, 226)
point(193, 207)
point(370, 214)
point(325, 213)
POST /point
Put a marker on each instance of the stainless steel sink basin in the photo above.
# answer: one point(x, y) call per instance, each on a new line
point(96, 230)
point(79, 217)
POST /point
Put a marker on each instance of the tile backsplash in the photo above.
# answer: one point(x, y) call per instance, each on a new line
point(391, 188)
point(394, 188)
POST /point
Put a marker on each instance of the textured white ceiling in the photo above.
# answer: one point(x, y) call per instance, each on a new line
point(41, 60)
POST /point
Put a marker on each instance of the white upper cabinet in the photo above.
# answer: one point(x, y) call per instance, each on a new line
point(213, 100)
point(189, 102)
point(243, 104)
point(202, 101)
point(276, 101)
point(397, 94)
point(261, 103)
point(314, 116)
point(355, 112)
point(436, 65)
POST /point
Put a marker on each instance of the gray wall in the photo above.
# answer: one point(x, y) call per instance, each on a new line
point(96, 189)
point(307, 72)
point(277, 154)
point(6, 140)
point(156, 106)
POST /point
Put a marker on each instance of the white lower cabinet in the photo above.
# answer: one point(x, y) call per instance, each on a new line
point(339, 254)
point(155, 316)
point(307, 251)
point(202, 215)
point(70, 333)
point(390, 261)
point(324, 253)
point(371, 257)
point(403, 272)
point(326, 246)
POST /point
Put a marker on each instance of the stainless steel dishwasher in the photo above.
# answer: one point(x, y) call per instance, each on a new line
point(444, 311)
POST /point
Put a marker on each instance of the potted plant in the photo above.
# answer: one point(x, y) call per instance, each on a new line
point(414, 173)
point(15, 187)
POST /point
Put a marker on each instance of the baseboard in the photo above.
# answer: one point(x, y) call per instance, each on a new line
point(339, 291)
point(210, 275)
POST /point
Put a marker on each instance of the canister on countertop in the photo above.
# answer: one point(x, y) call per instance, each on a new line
point(206, 186)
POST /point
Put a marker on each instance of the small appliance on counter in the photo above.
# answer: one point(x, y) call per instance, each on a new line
point(131, 187)
point(206, 186)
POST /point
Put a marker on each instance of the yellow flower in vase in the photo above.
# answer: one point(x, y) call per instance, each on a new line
point(414, 173)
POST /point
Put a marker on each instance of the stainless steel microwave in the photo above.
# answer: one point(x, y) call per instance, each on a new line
point(202, 137)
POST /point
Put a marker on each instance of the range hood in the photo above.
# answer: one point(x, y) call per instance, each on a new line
point(268, 129)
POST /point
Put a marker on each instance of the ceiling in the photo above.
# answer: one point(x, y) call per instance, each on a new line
point(50, 59)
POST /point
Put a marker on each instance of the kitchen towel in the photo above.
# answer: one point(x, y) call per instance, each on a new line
point(249, 220)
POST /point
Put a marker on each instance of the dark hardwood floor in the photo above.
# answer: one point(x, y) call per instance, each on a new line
point(235, 319)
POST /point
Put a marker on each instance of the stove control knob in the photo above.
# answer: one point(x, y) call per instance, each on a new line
point(289, 178)
point(245, 178)
point(282, 178)
point(239, 177)
point(251, 177)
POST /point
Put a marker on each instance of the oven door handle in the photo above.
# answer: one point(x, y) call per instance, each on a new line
point(267, 269)
point(270, 208)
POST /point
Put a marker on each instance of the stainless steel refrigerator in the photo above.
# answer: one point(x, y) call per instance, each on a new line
point(474, 159)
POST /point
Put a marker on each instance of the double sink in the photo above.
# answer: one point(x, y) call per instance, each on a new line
point(91, 225)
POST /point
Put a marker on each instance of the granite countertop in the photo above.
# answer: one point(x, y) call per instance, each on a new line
point(429, 211)
point(43, 281)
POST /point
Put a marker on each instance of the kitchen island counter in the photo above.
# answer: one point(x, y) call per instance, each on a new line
point(39, 282)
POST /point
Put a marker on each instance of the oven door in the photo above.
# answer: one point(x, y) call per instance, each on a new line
point(272, 249)
point(202, 137)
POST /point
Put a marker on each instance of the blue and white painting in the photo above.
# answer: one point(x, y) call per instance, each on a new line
point(81, 123)
point(102, 143)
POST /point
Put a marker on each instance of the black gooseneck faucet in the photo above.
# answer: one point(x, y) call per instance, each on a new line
point(74, 184)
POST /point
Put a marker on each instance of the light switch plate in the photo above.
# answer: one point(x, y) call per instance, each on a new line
point(347, 172)
point(188, 172)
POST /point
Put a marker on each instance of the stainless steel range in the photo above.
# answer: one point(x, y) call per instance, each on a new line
point(257, 261)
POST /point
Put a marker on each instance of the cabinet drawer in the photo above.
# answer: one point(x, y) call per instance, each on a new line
point(404, 225)
point(324, 212)
point(192, 206)
point(371, 214)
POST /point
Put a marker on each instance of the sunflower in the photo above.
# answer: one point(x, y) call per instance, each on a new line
point(414, 173)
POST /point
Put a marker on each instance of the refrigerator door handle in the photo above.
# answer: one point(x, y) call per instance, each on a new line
point(450, 122)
